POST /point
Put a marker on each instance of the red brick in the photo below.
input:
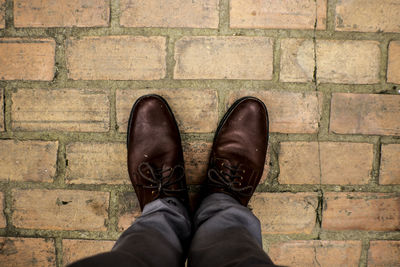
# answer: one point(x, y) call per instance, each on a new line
point(390, 168)
point(60, 209)
point(24, 161)
point(1, 111)
point(393, 73)
point(368, 16)
point(128, 210)
point(211, 57)
point(384, 253)
point(289, 112)
point(292, 14)
point(33, 252)
point(348, 61)
point(297, 60)
point(285, 213)
point(27, 59)
point(75, 249)
point(71, 13)
point(365, 114)
point(95, 163)
point(361, 211)
point(169, 13)
point(196, 111)
point(116, 58)
point(3, 222)
point(316, 253)
point(73, 110)
point(2, 14)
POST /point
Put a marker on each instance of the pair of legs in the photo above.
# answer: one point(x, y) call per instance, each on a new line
point(222, 231)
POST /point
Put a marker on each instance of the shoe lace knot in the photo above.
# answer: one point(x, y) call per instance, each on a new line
point(160, 179)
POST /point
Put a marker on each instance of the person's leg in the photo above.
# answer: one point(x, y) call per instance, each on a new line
point(159, 237)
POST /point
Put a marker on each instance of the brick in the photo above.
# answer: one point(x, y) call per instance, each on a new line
point(28, 161)
point(361, 211)
point(169, 13)
point(95, 163)
point(285, 213)
point(74, 110)
point(393, 73)
point(196, 111)
point(368, 16)
point(390, 169)
point(60, 209)
point(34, 252)
point(2, 14)
point(1, 111)
point(292, 14)
point(365, 114)
point(210, 57)
point(3, 222)
point(384, 253)
point(27, 59)
point(75, 249)
point(196, 155)
point(116, 58)
point(128, 210)
point(316, 253)
point(348, 61)
point(299, 163)
point(297, 60)
point(72, 13)
point(289, 112)
point(346, 163)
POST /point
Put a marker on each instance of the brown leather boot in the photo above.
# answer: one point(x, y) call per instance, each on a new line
point(155, 157)
point(238, 154)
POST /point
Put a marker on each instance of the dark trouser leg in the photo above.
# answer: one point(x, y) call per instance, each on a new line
point(226, 234)
point(159, 237)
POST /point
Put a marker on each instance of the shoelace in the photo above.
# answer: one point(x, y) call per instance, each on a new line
point(161, 184)
point(228, 180)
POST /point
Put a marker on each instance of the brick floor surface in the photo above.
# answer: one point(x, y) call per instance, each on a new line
point(328, 71)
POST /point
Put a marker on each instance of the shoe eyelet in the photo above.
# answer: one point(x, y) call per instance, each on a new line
point(244, 171)
point(241, 178)
point(240, 184)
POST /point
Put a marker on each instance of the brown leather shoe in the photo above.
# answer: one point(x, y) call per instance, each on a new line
point(155, 158)
point(238, 154)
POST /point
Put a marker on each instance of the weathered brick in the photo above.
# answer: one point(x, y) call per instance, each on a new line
point(316, 253)
point(196, 111)
point(2, 14)
point(34, 252)
point(289, 112)
point(346, 163)
point(60, 209)
point(393, 73)
point(27, 59)
point(75, 249)
point(285, 213)
point(116, 58)
point(196, 155)
point(74, 110)
point(210, 57)
point(348, 61)
point(299, 163)
point(361, 211)
point(169, 13)
point(297, 60)
point(383, 253)
point(365, 114)
point(1, 110)
point(292, 14)
point(390, 168)
point(71, 13)
point(95, 163)
point(368, 16)
point(28, 160)
point(128, 210)
point(3, 222)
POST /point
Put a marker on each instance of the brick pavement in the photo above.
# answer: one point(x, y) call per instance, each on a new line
point(328, 71)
